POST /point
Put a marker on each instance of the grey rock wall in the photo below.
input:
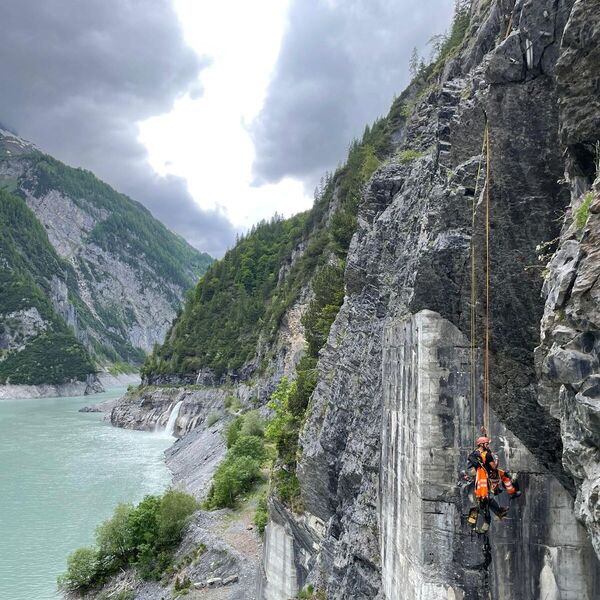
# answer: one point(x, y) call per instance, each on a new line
point(428, 552)
point(568, 358)
point(149, 408)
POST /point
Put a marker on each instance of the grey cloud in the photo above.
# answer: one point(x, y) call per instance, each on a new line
point(77, 76)
point(341, 62)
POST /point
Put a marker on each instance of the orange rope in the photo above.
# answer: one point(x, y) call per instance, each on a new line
point(473, 381)
point(486, 394)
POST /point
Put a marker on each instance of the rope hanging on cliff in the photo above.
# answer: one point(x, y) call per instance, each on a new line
point(486, 379)
point(485, 149)
point(474, 294)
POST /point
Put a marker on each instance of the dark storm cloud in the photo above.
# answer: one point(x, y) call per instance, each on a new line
point(76, 77)
point(341, 63)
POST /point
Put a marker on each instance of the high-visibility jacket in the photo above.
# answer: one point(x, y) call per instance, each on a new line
point(485, 483)
point(482, 488)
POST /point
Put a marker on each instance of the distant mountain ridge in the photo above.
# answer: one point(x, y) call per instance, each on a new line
point(88, 276)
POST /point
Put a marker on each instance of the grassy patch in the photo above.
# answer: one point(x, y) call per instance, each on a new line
point(408, 156)
point(261, 515)
point(583, 212)
point(121, 368)
point(213, 417)
point(9, 184)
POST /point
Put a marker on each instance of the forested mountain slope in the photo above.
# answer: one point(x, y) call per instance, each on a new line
point(86, 271)
point(231, 320)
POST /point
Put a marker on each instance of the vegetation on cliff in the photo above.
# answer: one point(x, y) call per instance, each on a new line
point(246, 452)
point(243, 297)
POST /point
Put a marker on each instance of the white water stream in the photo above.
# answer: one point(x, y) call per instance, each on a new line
point(170, 428)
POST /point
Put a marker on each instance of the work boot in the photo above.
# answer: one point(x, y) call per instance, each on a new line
point(473, 516)
point(484, 528)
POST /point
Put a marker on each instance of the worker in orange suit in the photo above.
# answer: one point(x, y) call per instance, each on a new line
point(488, 477)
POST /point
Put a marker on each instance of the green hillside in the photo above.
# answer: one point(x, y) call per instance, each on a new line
point(168, 254)
point(242, 299)
point(121, 282)
point(28, 263)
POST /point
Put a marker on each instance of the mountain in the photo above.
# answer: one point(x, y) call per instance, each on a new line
point(230, 322)
point(90, 278)
point(455, 253)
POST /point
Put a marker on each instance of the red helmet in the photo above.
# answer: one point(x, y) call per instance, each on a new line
point(483, 440)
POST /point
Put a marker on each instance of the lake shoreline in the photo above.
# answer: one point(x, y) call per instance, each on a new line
point(94, 384)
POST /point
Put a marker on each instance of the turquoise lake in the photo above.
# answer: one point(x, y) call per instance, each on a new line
point(62, 472)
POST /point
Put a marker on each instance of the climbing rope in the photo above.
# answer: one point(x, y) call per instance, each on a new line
point(485, 151)
point(486, 382)
point(473, 382)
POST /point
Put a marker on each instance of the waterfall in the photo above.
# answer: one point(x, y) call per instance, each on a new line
point(170, 428)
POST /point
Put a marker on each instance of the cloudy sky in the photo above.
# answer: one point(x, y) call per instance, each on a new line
point(212, 114)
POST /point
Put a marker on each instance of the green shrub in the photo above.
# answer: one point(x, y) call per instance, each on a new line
point(233, 477)
point(306, 382)
point(83, 571)
point(306, 593)
point(212, 418)
point(408, 156)
point(232, 404)
point(113, 538)
point(253, 424)
point(150, 563)
point(328, 289)
point(249, 445)
point(143, 537)
point(261, 516)
point(233, 431)
point(174, 512)
point(283, 424)
point(240, 470)
point(182, 585)
point(583, 212)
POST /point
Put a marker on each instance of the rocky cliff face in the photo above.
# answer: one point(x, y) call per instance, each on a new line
point(120, 275)
point(569, 354)
point(391, 419)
